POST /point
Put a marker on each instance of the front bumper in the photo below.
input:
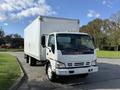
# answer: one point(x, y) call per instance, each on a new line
point(75, 71)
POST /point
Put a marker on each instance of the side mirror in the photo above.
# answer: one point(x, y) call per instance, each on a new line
point(43, 41)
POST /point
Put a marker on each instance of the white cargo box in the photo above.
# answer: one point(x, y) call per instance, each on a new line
point(45, 25)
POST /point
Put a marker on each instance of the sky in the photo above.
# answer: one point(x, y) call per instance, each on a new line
point(15, 15)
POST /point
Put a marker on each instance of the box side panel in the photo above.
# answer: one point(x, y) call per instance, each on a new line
point(32, 39)
point(45, 25)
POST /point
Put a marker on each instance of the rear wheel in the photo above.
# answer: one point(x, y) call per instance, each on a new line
point(32, 61)
point(25, 56)
point(27, 59)
point(50, 74)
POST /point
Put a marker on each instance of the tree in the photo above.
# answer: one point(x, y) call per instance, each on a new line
point(2, 36)
point(94, 28)
point(106, 32)
point(15, 40)
point(1, 33)
point(16, 35)
point(115, 32)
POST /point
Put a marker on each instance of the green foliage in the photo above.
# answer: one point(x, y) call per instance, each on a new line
point(1, 33)
point(94, 28)
point(9, 71)
point(106, 32)
point(11, 40)
point(108, 54)
point(11, 50)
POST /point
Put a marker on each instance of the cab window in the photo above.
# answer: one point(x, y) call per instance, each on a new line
point(51, 42)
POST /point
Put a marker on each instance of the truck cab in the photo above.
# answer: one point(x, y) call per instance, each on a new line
point(69, 53)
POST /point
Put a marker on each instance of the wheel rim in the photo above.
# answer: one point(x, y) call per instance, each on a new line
point(49, 72)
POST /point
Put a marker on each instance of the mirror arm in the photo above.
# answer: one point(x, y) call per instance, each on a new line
point(49, 49)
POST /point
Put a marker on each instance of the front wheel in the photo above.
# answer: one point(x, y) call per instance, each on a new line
point(32, 61)
point(51, 76)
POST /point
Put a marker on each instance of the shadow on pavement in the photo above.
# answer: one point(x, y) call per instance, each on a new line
point(100, 80)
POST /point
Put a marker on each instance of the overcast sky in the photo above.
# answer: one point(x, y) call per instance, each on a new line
point(15, 15)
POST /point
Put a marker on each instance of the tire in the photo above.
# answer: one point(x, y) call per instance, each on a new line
point(51, 76)
point(27, 59)
point(32, 61)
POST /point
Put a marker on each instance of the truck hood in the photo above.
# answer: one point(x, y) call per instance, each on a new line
point(81, 58)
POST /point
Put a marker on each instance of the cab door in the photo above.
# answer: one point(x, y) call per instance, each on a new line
point(50, 49)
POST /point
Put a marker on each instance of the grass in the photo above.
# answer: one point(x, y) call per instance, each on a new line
point(108, 54)
point(11, 50)
point(9, 71)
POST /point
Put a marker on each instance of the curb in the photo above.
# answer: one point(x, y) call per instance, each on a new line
point(21, 79)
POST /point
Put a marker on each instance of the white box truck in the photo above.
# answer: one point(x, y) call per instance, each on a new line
point(58, 43)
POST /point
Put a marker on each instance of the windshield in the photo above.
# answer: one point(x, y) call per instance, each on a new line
point(75, 43)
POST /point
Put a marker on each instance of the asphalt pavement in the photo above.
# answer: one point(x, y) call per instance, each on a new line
point(108, 77)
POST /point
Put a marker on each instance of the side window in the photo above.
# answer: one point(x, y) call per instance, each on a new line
point(51, 42)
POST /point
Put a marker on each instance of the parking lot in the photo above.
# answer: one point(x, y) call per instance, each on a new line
point(108, 77)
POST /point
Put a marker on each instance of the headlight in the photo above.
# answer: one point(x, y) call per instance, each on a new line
point(94, 63)
point(60, 65)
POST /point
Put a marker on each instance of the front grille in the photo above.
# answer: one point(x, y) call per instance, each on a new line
point(79, 64)
point(69, 64)
point(87, 63)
